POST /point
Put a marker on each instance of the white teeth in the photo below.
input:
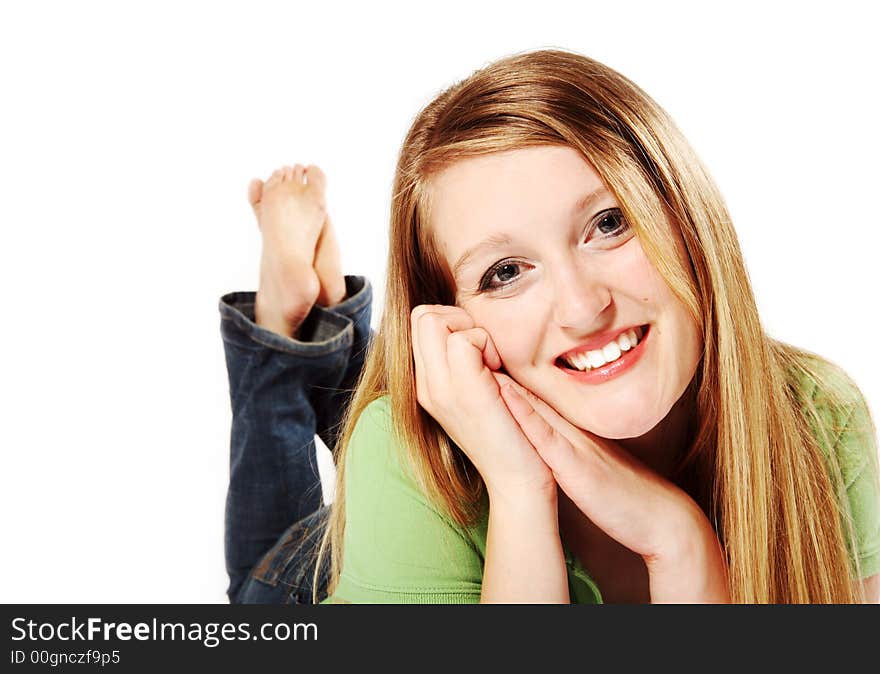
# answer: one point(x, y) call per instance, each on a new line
point(596, 358)
point(611, 351)
point(608, 353)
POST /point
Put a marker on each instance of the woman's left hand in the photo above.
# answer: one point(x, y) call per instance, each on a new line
point(631, 503)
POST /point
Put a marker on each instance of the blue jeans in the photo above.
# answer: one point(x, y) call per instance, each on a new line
point(283, 392)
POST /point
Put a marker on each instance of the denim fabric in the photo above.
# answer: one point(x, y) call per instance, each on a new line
point(283, 392)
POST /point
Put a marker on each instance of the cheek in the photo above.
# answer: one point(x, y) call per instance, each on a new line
point(682, 340)
point(513, 327)
point(637, 279)
point(686, 341)
point(690, 343)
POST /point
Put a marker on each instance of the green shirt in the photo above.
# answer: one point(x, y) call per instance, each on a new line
point(399, 548)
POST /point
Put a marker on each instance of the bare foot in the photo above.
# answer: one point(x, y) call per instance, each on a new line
point(328, 265)
point(290, 214)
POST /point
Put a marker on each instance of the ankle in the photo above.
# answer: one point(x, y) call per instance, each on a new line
point(285, 296)
point(332, 293)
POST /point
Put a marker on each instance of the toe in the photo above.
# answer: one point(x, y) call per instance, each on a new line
point(298, 172)
point(276, 177)
point(288, 173)
point(255, 193)
point(315, 176)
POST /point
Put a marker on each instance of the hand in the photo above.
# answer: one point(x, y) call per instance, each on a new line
point(454, 364)
point(627, 500)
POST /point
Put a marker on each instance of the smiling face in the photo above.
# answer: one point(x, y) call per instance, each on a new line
point(543, 259)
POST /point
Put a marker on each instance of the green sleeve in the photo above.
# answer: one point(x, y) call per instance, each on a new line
point(857, 453)
point(853, 442)
point(397, 547)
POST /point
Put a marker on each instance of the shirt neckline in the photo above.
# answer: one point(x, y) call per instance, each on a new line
point(578, 571)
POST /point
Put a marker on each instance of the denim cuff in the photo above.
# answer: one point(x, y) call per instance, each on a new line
point(325, 329)
point(283, 391)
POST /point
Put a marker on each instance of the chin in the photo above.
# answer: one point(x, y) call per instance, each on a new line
point(620, 427)
point(621, 431)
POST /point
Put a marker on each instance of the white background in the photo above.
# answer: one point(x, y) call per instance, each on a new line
point(129, 133)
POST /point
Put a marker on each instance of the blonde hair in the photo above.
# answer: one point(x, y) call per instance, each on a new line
point(754, 463)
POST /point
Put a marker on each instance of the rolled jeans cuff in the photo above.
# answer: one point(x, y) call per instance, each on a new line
point(283, 391)
point(325, 329)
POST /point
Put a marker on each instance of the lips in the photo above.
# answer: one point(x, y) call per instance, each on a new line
point(625, 362)
point(598, 341)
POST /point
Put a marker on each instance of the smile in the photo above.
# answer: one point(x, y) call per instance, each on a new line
point(599, 365)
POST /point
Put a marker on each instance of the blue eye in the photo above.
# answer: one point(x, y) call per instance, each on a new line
point(609, 223)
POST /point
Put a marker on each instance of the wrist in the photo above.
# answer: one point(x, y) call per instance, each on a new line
point(535, 511)
point(692, 567)
point(524, 558)
point(524, 497)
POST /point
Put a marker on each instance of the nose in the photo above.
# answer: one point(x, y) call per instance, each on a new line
point(579, 297)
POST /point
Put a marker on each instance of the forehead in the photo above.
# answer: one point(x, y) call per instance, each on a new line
point(507, 193)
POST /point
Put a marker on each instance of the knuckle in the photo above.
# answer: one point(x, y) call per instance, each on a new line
point(458, 340)
point(522, 390)
point(414, 316)
point(419, 311)
point(547, 433)
point(432, 320)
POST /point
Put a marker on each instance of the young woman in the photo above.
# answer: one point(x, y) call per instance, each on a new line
point(570, 396)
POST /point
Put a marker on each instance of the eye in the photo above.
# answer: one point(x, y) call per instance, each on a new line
point(610, 224)
point(506, 271)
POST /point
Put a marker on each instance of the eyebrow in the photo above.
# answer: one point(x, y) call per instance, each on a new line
point(500, 239)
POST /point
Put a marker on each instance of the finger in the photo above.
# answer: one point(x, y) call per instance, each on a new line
point(501, 379)
point(550, 415)
point(556, 450)
point(430, 326)
point(473, 349)
point(439, 318)
point(434, 328)
point(422, 394)
point(437, 309)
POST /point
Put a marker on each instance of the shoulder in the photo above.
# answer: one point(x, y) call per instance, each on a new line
point(843, 425)
point(378, 465)
point(397, 546)
point(838, 413)
point(825, 382)
point(374, 451)
point(376, 414)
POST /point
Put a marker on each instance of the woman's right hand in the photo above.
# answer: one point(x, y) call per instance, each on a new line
point(456, 366)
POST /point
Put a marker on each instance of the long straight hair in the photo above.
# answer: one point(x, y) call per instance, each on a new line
point(755, 463)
